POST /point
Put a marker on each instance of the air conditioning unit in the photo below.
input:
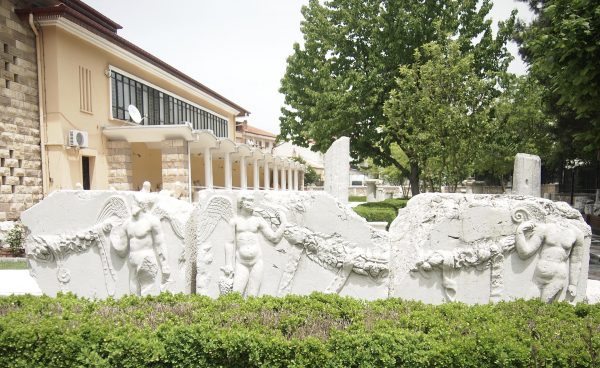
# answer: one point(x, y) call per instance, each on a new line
point(78, 138)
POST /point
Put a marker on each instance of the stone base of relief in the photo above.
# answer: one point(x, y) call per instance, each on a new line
point(441, 247)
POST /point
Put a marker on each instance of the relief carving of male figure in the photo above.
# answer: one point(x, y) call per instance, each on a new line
point(560, 247)
point(244, 257)
point(142, 238)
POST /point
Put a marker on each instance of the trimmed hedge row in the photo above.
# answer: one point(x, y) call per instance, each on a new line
point(386, 210)
point(295, 331)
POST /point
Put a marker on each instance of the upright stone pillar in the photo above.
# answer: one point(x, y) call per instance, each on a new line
point(275, 177)
point(228, 171)
point(208, 172)
point(290, 179)
point(371, 190)
point(283, 184)
point(243, 178)
point(337, 169)
point(302, 180)
point(255, 176)
point(120, 172)
point(266, 176)
point(527, 175)
point(295, 178)
point(175, 164)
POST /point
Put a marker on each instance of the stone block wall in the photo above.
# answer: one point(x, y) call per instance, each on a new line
point(20, 155)
point(175, 164)
point(120, 171)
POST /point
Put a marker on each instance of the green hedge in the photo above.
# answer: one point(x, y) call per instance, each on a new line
point(386, 210)
point(313, 331)
point(357, 198)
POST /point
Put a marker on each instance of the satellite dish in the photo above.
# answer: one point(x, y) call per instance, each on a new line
point(134, 113)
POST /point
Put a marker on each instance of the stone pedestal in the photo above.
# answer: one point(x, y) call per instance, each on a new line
point(371, 190)
point(527, 175)
point(337, 169)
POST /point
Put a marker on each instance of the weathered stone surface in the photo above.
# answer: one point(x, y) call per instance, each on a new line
point(471, 248)
point(441, 247)
point(337, 169)
point(527, 175)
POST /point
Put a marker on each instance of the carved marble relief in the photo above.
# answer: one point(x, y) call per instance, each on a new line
point(142, 241)
point(482, 254)
point(560, 248)
point(333, 253)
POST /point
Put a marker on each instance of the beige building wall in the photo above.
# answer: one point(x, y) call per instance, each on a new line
point(146, 164)
point(65, 55)
point(20, 156)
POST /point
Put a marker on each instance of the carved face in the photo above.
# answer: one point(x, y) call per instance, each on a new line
point(135, 208)
point(246, 203)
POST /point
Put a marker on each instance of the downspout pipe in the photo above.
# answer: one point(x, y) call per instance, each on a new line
point(41, 105)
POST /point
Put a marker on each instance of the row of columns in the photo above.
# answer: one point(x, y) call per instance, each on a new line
point(284, 178)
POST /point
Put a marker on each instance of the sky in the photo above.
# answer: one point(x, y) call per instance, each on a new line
point(238, 48)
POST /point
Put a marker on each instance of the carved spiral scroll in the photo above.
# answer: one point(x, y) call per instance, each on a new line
point(519, 215)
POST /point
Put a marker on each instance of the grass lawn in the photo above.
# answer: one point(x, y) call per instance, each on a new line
point(19, 265)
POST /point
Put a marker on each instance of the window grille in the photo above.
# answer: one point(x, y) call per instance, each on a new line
point(158, 107)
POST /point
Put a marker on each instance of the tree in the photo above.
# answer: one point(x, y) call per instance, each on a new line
point(520, 124)
point(562, 46)
point(440, 111)
point(337, 83)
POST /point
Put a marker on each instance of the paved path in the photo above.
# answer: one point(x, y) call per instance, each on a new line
point(18, 282)
point(594, 272)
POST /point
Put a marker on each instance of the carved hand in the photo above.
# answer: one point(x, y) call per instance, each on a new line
point(526, 226)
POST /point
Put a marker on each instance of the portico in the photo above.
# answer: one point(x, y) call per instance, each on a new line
point(166, 154)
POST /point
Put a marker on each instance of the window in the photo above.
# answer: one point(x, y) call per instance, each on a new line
point(85, 90)
point(158, 107)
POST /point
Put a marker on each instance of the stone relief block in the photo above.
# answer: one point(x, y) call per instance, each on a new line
point(440, 248)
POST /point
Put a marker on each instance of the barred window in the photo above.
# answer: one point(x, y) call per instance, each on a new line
point(158, 107)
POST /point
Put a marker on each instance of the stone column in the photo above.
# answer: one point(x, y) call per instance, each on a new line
point(208, 177)
point(295, 178)
point(255, 176)
point(228, 171)
point(283, 184)
point(290, 180)
point(275, 177)
point(120, 172)
point(266, 176)
point(302, 180)
point(371, 190)
point(243, 179)
point(527, 175)
point(175, 164)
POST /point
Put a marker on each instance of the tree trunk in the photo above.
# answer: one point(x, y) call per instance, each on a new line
point(413, 178)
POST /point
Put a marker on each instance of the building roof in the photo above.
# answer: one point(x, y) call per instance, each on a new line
point(85, 16)
point(254, 130)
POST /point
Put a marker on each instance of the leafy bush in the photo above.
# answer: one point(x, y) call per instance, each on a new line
point(14, 238)
point(381, 211)
point(296, 331)
point(374, 214)
point(357, 198)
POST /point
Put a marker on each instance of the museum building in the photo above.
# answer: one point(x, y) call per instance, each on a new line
point(69, 119)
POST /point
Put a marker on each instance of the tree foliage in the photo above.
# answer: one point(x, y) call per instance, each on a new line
point(440, 111)
point(337, 83)
point(310, 175)
point(520, 124)
point(562, 46)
